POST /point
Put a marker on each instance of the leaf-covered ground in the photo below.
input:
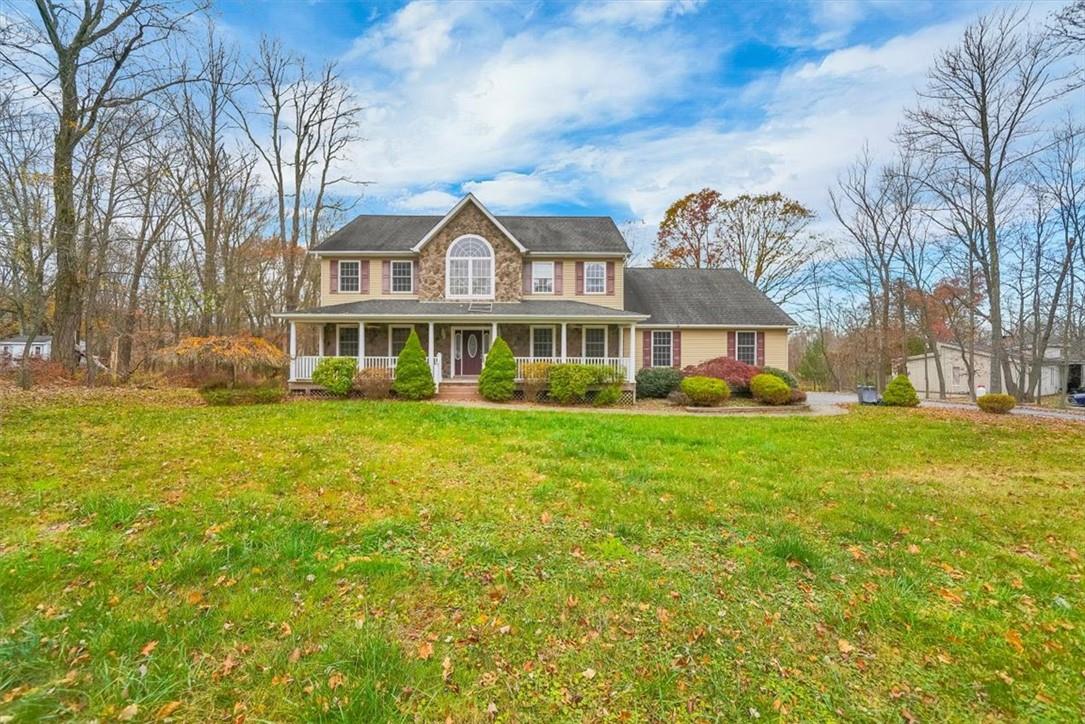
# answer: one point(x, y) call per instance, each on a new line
point(359, 561)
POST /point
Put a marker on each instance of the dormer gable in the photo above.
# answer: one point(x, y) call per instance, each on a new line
point(469, 199)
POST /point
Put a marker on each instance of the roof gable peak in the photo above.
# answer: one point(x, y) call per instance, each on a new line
point(469, 198)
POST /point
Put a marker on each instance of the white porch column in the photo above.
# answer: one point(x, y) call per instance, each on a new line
point(293, 349)
point(429, 350)
point(320, 340)
point(564, 338)
point(632, 367)
point(361, 343)
point(493, 333)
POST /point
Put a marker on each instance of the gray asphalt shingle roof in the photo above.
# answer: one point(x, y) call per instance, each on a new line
point(552, 234)
point(413, 308)
point(700, 296)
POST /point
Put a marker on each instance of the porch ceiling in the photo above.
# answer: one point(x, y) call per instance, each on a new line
point(410, 309)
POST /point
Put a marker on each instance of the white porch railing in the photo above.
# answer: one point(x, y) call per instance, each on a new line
point(619, 364)
point(301, 367)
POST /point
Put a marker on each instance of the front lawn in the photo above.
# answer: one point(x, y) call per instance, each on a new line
point(365, 561)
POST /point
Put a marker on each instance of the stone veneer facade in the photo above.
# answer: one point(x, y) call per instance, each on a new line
point(508, 262)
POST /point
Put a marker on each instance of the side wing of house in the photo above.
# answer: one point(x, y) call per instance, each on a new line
point(699, 314)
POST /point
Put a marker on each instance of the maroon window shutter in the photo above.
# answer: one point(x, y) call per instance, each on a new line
point(335, 276)
point(580, 277)
point(386, 276)
point(676, 349)
point(610, 278)
point(760, 336)
point(646, 336)
point(363, 281)
point(731, 344)
point(527, 277)
point(559, 277)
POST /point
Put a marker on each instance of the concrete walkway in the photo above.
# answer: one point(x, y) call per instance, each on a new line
point(838, 398)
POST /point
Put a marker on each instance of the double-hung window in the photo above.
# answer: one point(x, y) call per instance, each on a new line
point(349, 276)
point(662, 348)
point(595, 342)
point(542, 277)
point(542, 342)
point(403, 276)
point(746, 347)
point(595, 277)
point(348, 341)
point(398, 340)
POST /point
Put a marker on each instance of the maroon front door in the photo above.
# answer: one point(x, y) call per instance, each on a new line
point(471, 352)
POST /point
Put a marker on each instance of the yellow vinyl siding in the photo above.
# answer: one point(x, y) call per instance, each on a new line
point(568, 286)
point(776, 348)
point(326, 296)
point(700, 345)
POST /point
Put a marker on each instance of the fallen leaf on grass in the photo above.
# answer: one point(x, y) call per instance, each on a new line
point(128, 713)
point(588, 673)
point(425, 650)
point(844, 646)
point(148, 648)
point(1014, 639)
point(446, 669)
point(335, 680)
point(166, 709)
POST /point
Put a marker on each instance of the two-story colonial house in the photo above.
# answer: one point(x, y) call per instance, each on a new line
point(556, 288)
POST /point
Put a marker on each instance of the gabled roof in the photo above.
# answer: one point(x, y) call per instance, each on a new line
point(717, 297)
point(394, 234)
point(21, 339)
point(468, 199)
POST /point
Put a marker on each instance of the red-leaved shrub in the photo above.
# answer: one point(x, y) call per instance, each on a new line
point(736, 374)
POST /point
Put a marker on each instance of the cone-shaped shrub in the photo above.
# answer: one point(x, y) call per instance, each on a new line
point(498, 379)
point(414, 381)
point(900, 393)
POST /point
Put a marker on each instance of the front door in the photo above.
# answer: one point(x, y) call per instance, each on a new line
point(471, 352)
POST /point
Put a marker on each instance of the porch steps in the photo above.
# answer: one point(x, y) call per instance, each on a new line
point(451, 390)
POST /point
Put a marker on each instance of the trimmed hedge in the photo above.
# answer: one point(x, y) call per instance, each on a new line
point(705, 391)
point(900, 393)
point(770, 389)
point(736, 374)
point(783, 375)
point(497, 381)
point(374, 383)
point(414, 380)
point(569, 383)
point(336, 374)
point(608, 395)
point(996, 403)
point(657, 381)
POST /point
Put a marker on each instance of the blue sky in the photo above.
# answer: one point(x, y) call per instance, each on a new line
point(612, 107)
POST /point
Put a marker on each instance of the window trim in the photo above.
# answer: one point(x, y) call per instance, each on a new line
point(584, 340)
point(357, 263)
point(603, 266)
point(339, 339)
point(392, 276)
point(738, 346)
point(470, 270)
point(670, 347)
point(535, 277)
point(553, 341)
point(391, 329)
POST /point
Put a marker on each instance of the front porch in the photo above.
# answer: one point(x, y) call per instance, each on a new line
point(456, 350)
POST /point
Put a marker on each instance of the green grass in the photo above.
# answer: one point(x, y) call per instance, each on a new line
point(362, 561)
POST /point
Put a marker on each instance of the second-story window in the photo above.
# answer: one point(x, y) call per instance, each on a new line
point(542, 277)
point(349, 276)
point(595, 277)
point(470, 269)
point(402, 276)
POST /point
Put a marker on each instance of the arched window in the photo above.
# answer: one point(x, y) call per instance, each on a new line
point(470, 269)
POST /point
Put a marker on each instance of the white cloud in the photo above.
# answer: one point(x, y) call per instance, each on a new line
point(429, 201)
point(416, 37)
point(641, 14)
